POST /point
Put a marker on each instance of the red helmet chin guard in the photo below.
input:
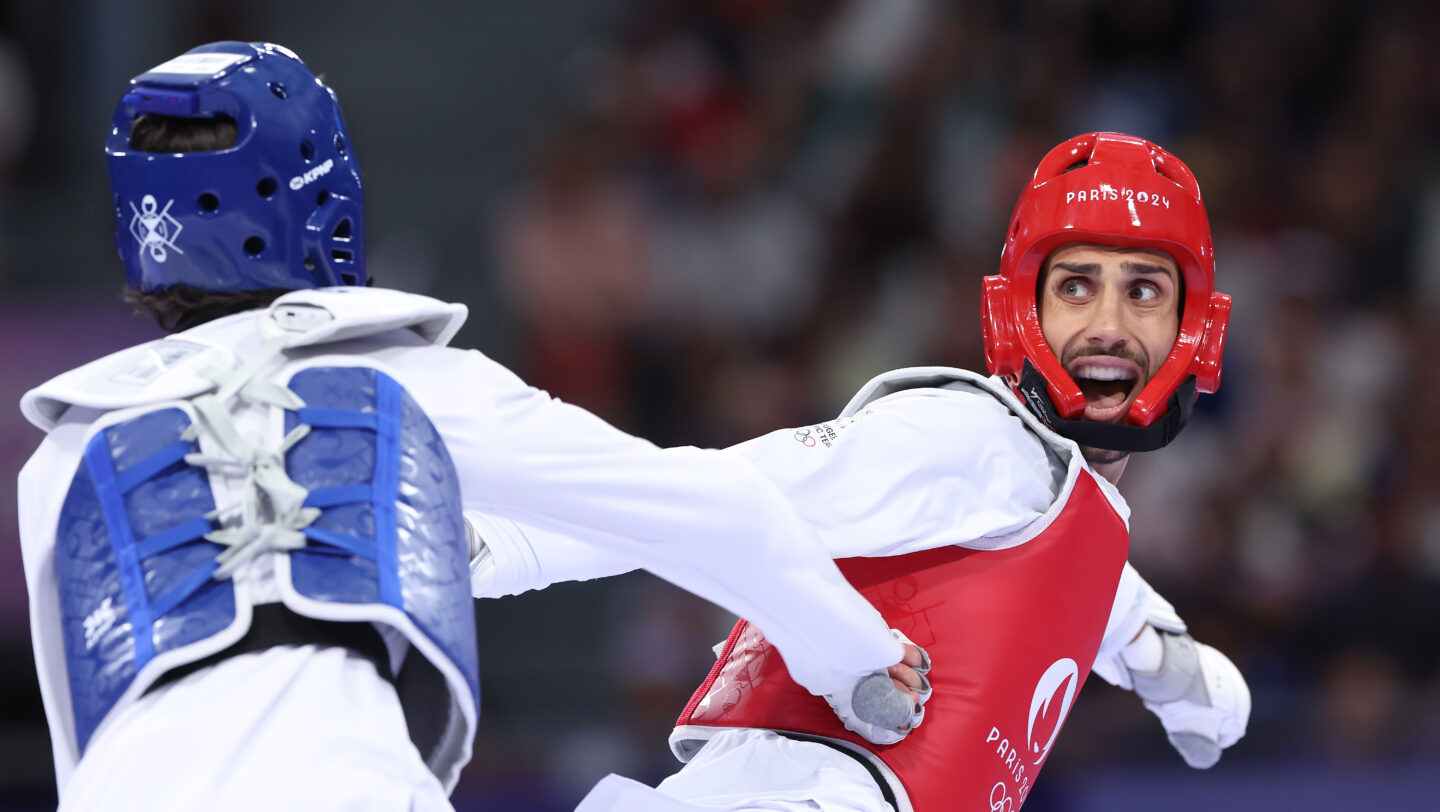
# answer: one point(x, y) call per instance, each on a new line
point(1115, 190)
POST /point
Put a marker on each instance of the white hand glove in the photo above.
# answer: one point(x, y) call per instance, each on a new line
point(1200, 697)
point(877, 709)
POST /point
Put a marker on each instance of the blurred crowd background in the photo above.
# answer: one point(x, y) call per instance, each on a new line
point(707, 219)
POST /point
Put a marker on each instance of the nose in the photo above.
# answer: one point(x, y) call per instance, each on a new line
point(1107, 327)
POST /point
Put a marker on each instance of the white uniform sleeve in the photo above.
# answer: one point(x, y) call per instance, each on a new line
point(526, 557)
point(703, 520)
point(918, 469)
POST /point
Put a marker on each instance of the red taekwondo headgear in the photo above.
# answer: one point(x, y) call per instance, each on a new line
point(1117, 190)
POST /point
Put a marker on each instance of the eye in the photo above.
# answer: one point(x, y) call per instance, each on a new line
point(1145, 292)
point(1075, 287)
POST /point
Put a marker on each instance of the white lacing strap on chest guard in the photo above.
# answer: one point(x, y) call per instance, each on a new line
point(272, 513)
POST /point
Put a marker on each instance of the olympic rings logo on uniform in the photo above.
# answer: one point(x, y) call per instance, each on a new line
point(1004, 803)
point(803, 437)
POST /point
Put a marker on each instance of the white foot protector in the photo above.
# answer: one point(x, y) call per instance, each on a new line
point(617, 793)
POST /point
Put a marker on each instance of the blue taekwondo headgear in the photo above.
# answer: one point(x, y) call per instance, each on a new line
point(281, 208)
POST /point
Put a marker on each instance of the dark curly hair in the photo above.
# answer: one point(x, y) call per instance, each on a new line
point(180, 307)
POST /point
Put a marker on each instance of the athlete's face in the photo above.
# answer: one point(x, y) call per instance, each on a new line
point(1111, 316)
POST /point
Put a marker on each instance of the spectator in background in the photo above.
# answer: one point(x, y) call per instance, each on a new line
point(576, 262)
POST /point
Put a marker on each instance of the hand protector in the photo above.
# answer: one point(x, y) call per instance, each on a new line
point(878, 710)
point(1200, 697)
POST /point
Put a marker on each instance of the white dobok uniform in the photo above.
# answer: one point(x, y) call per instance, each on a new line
point(314, 727)
point(912, 466)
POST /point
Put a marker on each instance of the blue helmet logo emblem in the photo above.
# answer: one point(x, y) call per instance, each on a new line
point(156, 231)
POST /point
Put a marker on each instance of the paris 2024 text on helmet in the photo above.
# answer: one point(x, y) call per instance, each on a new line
point(280, 208)
point(1116, 190)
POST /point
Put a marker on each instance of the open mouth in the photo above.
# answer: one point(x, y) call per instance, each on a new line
point(1107, 384)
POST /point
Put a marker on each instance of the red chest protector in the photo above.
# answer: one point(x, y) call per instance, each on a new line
point(1011, 633)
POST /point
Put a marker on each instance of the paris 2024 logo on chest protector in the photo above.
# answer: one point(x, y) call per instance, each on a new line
point(1063, 673)
point(1049, 706)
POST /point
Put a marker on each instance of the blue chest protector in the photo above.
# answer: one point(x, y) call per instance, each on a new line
point(139, 594)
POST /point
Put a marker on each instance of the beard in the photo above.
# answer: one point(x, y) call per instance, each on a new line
point(1102, 456)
